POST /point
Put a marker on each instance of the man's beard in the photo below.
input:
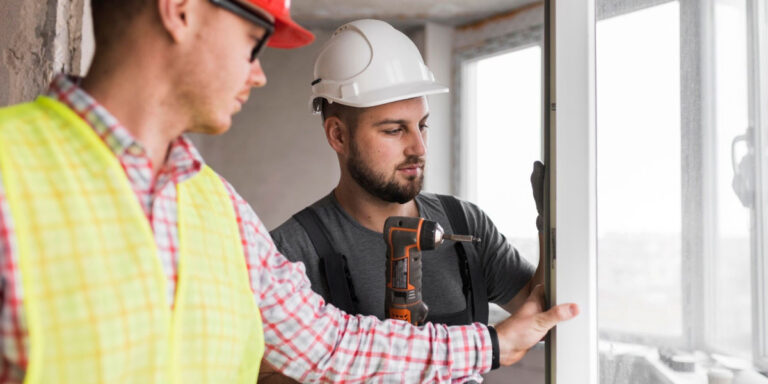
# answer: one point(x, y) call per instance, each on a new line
point(376, 185)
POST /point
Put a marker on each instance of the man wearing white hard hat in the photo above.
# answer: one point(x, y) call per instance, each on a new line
point(370, 86)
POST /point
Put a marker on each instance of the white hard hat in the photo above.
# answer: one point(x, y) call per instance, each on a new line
point(368, 63)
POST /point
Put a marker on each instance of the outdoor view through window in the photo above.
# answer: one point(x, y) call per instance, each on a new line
point(674, 239)
point(506, 111)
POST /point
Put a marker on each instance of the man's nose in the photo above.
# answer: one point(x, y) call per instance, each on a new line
point(417, 145)
point(257, 78)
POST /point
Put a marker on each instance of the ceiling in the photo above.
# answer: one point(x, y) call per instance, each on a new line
point(329, 14)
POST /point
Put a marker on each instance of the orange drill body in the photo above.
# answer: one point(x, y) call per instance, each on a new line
point(404, 238)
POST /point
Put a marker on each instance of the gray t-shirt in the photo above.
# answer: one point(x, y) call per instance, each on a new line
point(506, 272)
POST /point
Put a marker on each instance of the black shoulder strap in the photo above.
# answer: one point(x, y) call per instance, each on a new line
point(335, 271)
point(468, 251)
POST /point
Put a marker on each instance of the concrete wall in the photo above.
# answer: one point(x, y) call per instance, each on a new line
point(482, 32)
point(438, 55)
point(37, 39)
point(435, 42)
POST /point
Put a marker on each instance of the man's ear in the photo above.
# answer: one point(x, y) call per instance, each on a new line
point(337, 134)
point(174, 16)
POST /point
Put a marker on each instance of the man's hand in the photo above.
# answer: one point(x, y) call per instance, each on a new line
point(537, 185)
point(521, 331)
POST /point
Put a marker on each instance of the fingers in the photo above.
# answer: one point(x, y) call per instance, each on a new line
point(548, 319)
point(537, 174)
point(558, 314)
point(537, 185)
point(527, 326)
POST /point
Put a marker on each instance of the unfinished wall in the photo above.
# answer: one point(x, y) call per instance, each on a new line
point(438, 55)
point(435, 42)
point(37, 39)
point(482, 32)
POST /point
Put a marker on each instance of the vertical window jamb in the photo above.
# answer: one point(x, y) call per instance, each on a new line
point(571, 207)
point(697, 192)
point(757, 60)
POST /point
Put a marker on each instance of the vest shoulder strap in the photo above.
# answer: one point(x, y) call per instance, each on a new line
point(336, 272)
point(470, 258)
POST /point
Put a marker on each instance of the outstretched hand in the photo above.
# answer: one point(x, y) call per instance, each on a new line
point(521, 331)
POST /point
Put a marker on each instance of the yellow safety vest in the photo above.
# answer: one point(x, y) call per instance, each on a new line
point(94, 290)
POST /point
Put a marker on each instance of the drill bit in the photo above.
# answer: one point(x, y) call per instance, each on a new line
point(468, 238)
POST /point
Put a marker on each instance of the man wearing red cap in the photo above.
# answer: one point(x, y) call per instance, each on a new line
point(124, 258)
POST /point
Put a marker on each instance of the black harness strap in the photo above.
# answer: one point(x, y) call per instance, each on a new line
point(468, 254)
point(336, 274)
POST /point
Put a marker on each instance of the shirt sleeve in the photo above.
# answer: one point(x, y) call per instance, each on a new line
point(506, 271)
point(311, 341)
point(14, 343)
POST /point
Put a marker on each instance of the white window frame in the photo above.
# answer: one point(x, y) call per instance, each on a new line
point(570, 134)
point(697, 58)
point(613, 8)
point(570, 220)
point(691, 198)
point(757, 13)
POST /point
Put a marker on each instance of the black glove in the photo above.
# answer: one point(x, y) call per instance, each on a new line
point(537, 185)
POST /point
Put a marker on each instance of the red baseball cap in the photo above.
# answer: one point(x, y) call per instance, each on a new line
point(287, 33)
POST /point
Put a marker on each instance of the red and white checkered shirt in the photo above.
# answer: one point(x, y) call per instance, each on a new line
point(305, 338)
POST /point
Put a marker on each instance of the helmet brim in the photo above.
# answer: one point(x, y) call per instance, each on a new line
point(288, 34)
point(391, 94)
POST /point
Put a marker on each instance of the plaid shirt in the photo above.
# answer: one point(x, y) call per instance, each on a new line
point(304, 338)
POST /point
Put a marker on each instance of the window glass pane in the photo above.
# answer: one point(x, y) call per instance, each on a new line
point(638, 173)
point(508, 133)
point(730, 308)
point(503, 101)
point(651, 295)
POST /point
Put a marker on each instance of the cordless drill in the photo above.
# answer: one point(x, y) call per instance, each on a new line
point(406, 237)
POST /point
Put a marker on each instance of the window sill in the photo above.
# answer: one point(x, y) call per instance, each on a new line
point(628, 363)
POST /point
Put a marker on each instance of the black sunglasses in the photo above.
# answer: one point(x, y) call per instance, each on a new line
point(251, 16)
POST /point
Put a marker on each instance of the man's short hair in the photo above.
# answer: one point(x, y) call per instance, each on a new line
point(111, 17)
point(348, 115)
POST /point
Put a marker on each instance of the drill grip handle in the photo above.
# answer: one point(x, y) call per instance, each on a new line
point(403, 269)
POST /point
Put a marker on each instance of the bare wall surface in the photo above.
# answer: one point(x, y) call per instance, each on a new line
point(401, 13)
point(276, 155)
point(437, 54)
point(37, 39)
